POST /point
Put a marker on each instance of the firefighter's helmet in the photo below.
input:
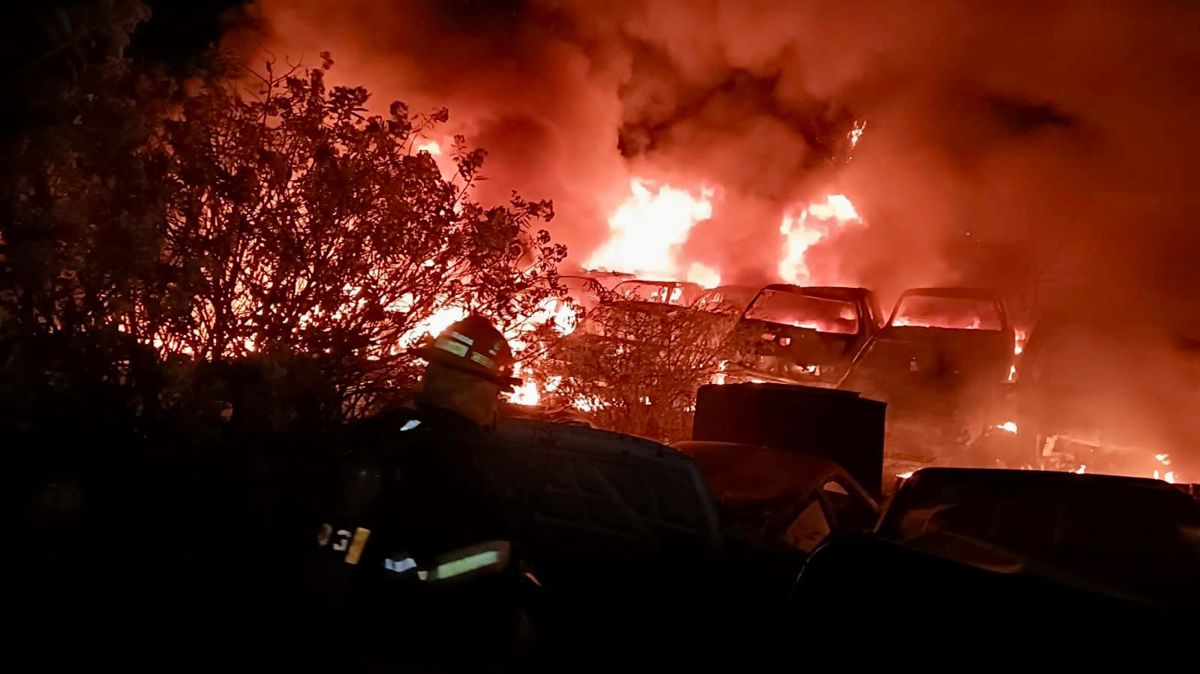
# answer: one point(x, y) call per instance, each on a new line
point(473, 346)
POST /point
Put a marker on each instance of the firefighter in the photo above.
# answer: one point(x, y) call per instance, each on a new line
point(413, 485)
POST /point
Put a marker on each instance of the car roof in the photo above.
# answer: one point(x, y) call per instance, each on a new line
point(732, 288)
point(689, 284)
point(953, 292)
point(1031, 477)
point(846, 293)
point(754, 473)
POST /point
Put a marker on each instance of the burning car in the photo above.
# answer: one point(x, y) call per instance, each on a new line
point(725, 300)
point(584, 292)
point(625, 313)
point(635, 360)
point(1101, 394)
point(803, 335)
point(941, 364)
point(675, 293)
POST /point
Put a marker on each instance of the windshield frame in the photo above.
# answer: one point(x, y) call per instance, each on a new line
point(854, 306)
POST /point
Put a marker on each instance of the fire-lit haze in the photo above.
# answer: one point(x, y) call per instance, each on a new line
point(980, 128)
point(1045, 149)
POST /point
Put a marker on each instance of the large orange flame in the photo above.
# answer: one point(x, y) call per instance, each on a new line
point(648, 230)
point(801, 230)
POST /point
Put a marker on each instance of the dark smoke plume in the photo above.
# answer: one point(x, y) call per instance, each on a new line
point(1045, 148)
point(1007, 143)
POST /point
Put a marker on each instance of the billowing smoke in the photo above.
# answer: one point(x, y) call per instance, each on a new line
point(1044, 148)
point(518, 81)
point(1041, 147)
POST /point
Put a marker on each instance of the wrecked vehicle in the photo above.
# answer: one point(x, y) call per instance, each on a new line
point(801, 335)
point(632, 306)
point(776, 496)
point(715, 312)
point(675, 293)
point(725, 300)
point(584, 291)
point(775, 506)
point(838, 426)
point(1101, 393)
point(941, 363)
point(984, 546)
point(615, 522)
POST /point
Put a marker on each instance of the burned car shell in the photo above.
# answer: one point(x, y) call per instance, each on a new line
point(763, 490)
point(629, 300)
point(674, 293)
point(799, 351)
point(725, 300)
point(775, 506)
point(953, 376)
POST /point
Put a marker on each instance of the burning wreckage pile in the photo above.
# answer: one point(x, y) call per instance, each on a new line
point(766, 376)
point(633, 347)
point(625, 344)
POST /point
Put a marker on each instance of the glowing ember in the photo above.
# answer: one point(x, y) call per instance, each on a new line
point(648, 230)
point(856, 133)
point(803, 230)
point(1008, 426)
point(1012, 372)
point(1164, 459)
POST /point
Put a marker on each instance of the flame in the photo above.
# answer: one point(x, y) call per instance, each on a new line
point(587, 404)
point(561, 312)
point(1008, 426)
point(435, 323)
point(430, 146)
point(1081, 469)
point(1165, 459)
point(1169, 477)
point(906, 474)
point(803, 230)
point(525, 394)
point(648, 229)
point(974, 323)
point(1019, 337)
point(704, 275)
point(856, 133)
